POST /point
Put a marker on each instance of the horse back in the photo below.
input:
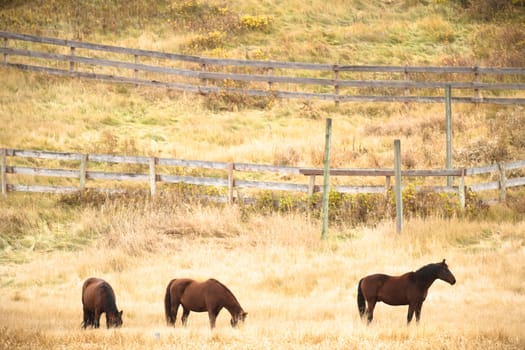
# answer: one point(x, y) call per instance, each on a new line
point(177, 286)
point(391, 290)
point(98, 294)
point(218, 293)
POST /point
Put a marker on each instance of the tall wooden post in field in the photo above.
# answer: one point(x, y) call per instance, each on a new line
point(448, 103)
point(326, 182)
point(3, 171)
point(397, 189)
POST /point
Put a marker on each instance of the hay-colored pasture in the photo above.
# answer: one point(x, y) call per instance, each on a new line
point(299, 291)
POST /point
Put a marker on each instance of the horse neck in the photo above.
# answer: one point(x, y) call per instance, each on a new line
point(425, 280)
point(233, 307)
point(230, 303)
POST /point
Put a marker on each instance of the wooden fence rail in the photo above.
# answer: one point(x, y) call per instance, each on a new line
point(279, 79)
point(86, 168)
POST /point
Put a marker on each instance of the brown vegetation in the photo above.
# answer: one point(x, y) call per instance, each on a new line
point(299, 291)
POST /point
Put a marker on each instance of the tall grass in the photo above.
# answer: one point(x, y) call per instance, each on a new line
point(299, 291)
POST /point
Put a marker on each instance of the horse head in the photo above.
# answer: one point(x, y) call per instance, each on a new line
point(114, 319)
point(445, 274)
point(240, 316)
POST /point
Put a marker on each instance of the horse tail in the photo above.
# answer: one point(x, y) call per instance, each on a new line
point(360, 299)
point(167, 304)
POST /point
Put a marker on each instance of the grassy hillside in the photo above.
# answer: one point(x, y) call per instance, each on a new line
point(299, 290)
point(96, 117)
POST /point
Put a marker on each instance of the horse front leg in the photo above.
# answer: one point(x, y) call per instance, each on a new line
point(213, 317)
point(185, 314)
point(418, 311)
point(411, 308)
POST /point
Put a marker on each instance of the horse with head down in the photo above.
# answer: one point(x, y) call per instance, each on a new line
point(98, 297)
point(210, 296)
point(409, 289)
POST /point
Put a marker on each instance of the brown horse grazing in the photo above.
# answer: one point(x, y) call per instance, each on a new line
point(408, 289)
point(98, 297)
point(210, 295)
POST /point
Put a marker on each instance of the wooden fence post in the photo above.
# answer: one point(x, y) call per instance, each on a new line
point(3, 171)
point(387, 185)
point(231, 182)
point(72, 63)
point(326, 182)
point(398, 190)
point(336, 86)
point(461, 189)
point(152, 176)
point(203, 68)
point(136, 71)
point(311, 189)
point(502, 182)
point(477, 94)
point(270, 73)
point(407, 78)
point(83, 167)
point(5, 53)
point(448, 124)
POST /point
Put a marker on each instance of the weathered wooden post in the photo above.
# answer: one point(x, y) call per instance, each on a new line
point(152, 176)
point(311, 189)
point(398, 190)
point(448, 108)
point(270, 73)
point(135, 71)
point(5, 53)
point(387, 185)
point(326, 182)
point(231, 182)
point(71, 62)
point(477, 94)
point(502, 182)
point(336, 85)
point(407, 79)
point(83, 167)
point(3, 171)
point(461, 189)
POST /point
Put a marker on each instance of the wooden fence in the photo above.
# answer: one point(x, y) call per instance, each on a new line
point(85, 169)
point(271, 79)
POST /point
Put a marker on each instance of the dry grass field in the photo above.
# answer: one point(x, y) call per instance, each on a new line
point(299, 291)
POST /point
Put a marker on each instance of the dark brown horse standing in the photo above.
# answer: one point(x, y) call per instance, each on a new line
point(98, 297)
point(210, 296)
point(408, 289)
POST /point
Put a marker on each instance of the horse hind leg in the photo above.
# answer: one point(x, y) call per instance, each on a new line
point(370, 311)
point(172, 317)
point(87, 319)
point(96, 319)
point(185, 314)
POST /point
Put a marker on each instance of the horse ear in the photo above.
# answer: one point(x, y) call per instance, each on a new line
point(121, 312)
point(443, 262)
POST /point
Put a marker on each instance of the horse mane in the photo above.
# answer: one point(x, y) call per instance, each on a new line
point(227, 289)
point(429, 270)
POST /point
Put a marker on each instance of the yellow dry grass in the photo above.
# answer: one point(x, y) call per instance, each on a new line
point(299, 290)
